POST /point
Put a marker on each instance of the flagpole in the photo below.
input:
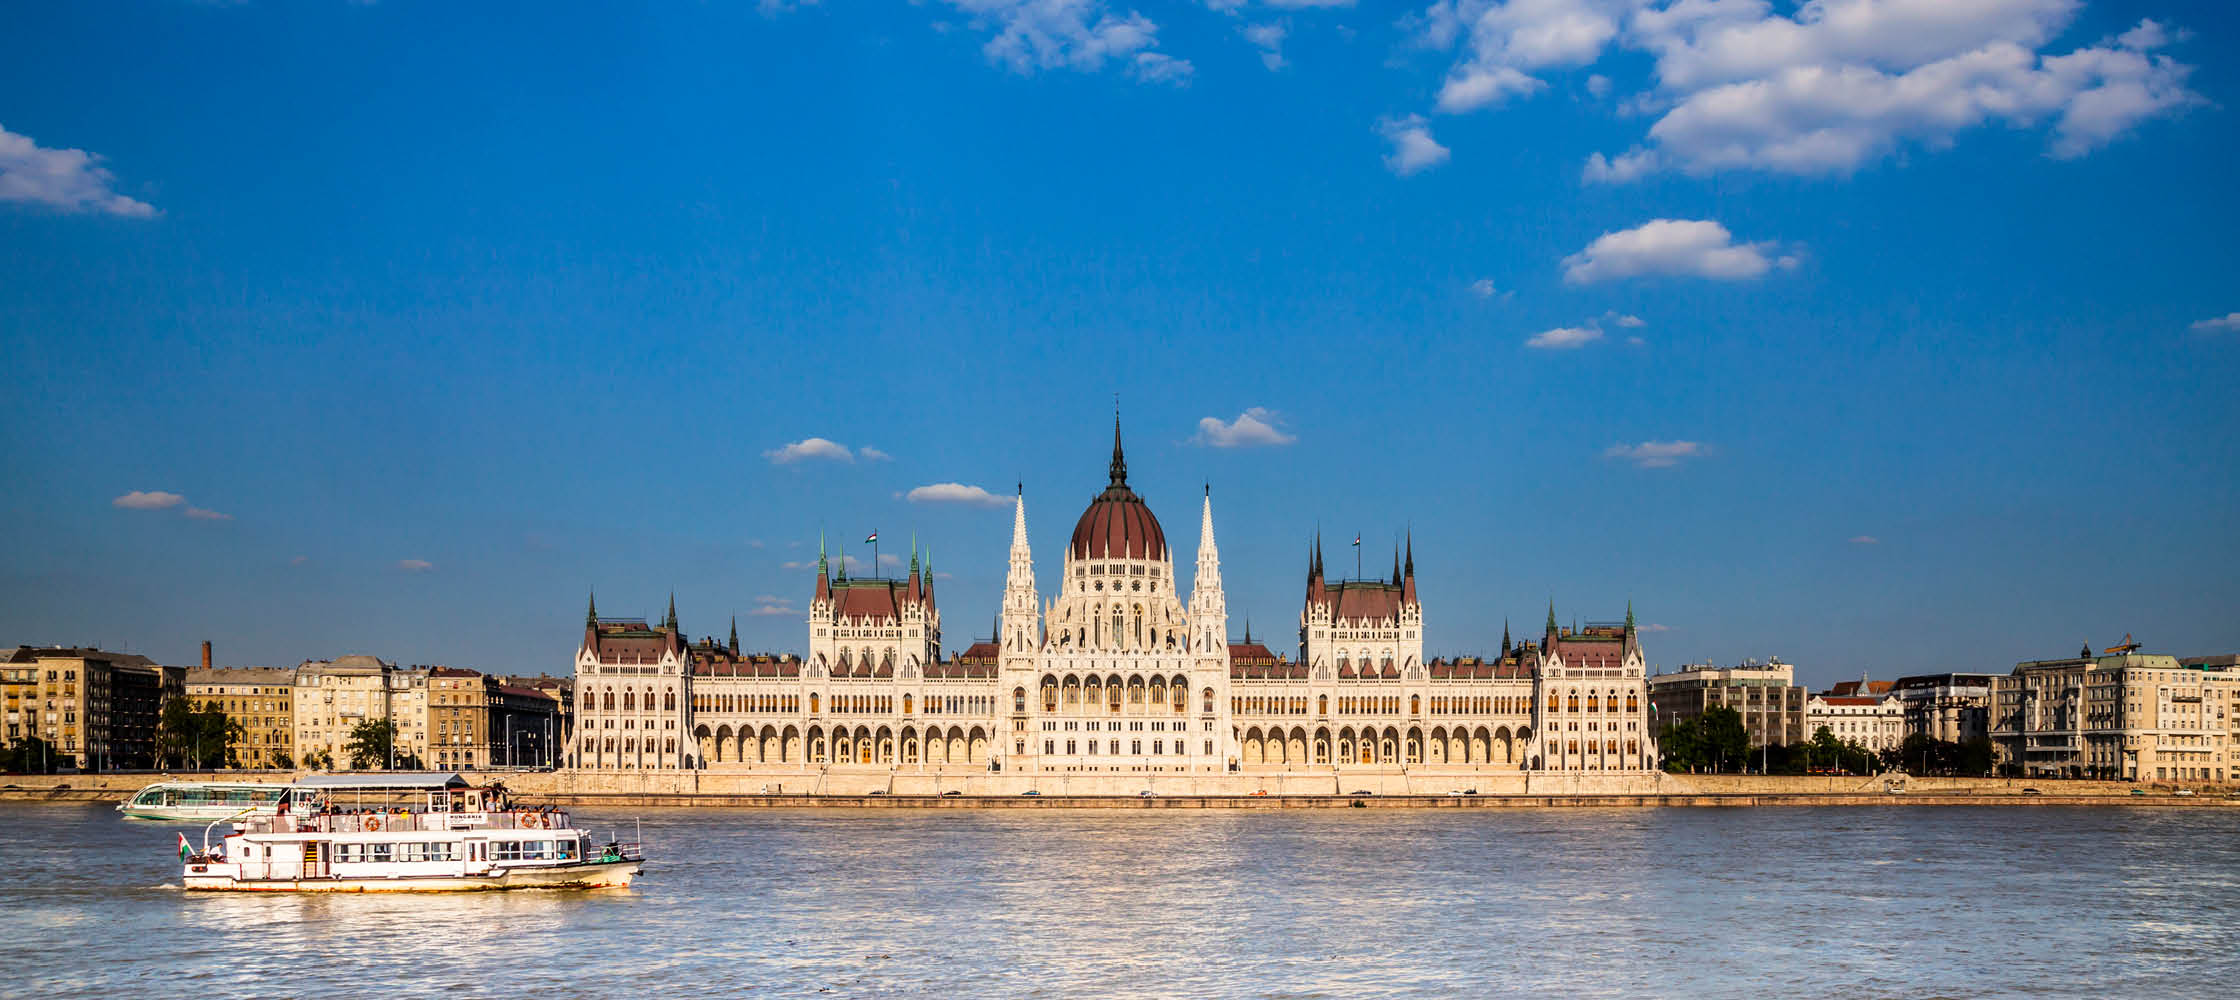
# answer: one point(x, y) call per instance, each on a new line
point(875, 555)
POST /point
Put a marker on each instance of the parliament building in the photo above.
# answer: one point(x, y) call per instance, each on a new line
point(1115, 679)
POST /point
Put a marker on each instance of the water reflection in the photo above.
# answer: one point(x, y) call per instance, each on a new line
point(1352, 903)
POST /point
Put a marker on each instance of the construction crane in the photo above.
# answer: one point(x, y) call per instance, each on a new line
point(2126, 646)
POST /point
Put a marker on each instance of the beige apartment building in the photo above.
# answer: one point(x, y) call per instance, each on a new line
point(1766, 695)
point(2127, 715)
point(98, 710)
point(476, 720)
point(333, 696)
point(261, 700)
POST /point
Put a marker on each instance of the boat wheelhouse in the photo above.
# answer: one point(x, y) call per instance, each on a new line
point(202, 801)
point(407, 833)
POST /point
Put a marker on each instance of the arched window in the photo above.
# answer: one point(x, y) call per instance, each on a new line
point(1415, 704)
point(610, 699)
point(1631, 704)
point(1018, 699)
point(629, 699)
point(813, 704)
point(669, 701)
point(906, 703)
point(1209, 701)
point(1321, 707)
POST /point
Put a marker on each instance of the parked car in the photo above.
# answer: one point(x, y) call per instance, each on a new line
point(951, 793)
point(1145, 794)
point(2183, 791)
point(1030, 791)
point(1361, 791)
point(2032, 791)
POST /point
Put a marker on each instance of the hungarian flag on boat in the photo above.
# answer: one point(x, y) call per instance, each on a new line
point(872, 537)
point(183, 852)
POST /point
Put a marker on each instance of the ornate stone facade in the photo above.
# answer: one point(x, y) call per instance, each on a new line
point(1116, 675)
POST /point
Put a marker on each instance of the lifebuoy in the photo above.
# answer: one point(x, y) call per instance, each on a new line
point(373, 824)
point(532, 821)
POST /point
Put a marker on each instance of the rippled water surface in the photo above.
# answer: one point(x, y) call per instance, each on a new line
point(1861, 902)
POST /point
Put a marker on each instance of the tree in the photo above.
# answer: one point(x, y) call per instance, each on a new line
point(1682, 746)
point(197, 739)
point(30, 755)
point(319, 760)
point(282, 761)
point(1726, 743)
point(370, 744)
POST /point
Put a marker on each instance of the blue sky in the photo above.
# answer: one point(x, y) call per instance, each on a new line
point(1881, 335)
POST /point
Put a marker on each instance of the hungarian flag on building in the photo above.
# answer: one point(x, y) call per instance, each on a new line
point(872, 537)
point(183, 852)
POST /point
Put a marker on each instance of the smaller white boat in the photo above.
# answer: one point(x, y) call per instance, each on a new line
point(405, 833)
point(202, 801)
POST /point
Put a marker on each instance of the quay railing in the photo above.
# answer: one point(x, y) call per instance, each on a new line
point(401, 821)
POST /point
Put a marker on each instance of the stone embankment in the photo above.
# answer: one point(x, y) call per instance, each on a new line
point(814, 789)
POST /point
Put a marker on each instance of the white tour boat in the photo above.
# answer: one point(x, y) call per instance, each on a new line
point(405, 833)
point(203, 800)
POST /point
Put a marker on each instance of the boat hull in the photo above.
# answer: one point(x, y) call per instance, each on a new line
point(597, 875)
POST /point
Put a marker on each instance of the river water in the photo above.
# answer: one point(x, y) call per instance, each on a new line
point(1791, 902)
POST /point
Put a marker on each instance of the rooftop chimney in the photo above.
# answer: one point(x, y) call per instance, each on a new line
point(205, 654)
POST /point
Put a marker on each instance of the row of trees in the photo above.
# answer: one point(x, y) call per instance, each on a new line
point(1717, 742)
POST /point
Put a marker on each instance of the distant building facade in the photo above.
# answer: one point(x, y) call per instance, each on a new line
point(1117, 673)
point(2125, 715)
point(99, 709)
point(1949, 707)
point(332, 697)
point(1875, 721)
point(1766, 695)
point(261, 700)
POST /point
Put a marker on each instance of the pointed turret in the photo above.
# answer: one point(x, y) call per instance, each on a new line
point(1505, 637)
point(1629, 614)
point(824, 571)
point(1205, 588)
point(1408, 581)
point(925, 593)
point(734, 635)
point(591, 617)
point(1396, 565)
point(1017, 630)
point(913, 587)
point(1551, 616)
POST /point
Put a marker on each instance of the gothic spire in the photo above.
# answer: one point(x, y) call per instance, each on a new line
point(591, 617)
point(671, 623)
point(734, 635)
point(1504, 636)
point(1551, 614)
point(1629, 614)
point(1119, 469)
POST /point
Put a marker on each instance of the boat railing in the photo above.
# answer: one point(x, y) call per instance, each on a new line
point(377, 821)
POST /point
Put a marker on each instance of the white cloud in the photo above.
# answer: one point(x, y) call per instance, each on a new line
point(1816, 87)
point(299, 560)
point(955, 493)
point(1268, 38)
point(1483, 288)
point(1413, 148)
point(70, 180)
point(206, 514)
point(1255, 427)
point(415, 565)
point(870, 454)
point(1654, 627)
point(148, 500)
point(785, 608)
point(1656, 454)
point(2228, 321)
point(796, 565)
point(1687, 247)
point(808, 448)
point(1080, 35)
point(1636, 342)
point(1865, 540)
point(1564, 338)
point(1628, 321)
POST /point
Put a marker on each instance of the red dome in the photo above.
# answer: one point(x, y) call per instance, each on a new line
point(1118, 524)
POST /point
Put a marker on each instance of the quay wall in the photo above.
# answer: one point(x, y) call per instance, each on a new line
point(879, 788)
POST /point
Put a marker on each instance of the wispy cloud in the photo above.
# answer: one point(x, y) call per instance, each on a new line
point(773, 610)
point(1865, 540)
point(1628, 321)
point(1484, 289)
point(206, 514)
point(870, 454)
point(148, 500)
point(1656, 454)
point(1681, 247)
point(2217, 324)
point(1032, 35)
point(1257, 426)
point(1413, 148)
point(415, 565)
point(1268, 38)
point(299, 560)
point(959, 493)
point(1564, 338)
point(1653, 627)
point(69, 180)
point(808, 449)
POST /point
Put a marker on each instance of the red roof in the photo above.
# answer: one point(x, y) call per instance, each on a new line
point(1852, 701)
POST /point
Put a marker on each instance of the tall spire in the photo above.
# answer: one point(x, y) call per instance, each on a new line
point(734, 635)
point(1504, 636)
point(1119, 469)
point(671, 622)
point(591, 617)
point(1551, 614)
point(1015, 626)
point(1396, 565)
point(1629, 614)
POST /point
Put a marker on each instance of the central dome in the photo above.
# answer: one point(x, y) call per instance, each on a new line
point(1118, 524)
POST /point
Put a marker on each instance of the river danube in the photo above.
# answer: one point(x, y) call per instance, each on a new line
point(1800, 902)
